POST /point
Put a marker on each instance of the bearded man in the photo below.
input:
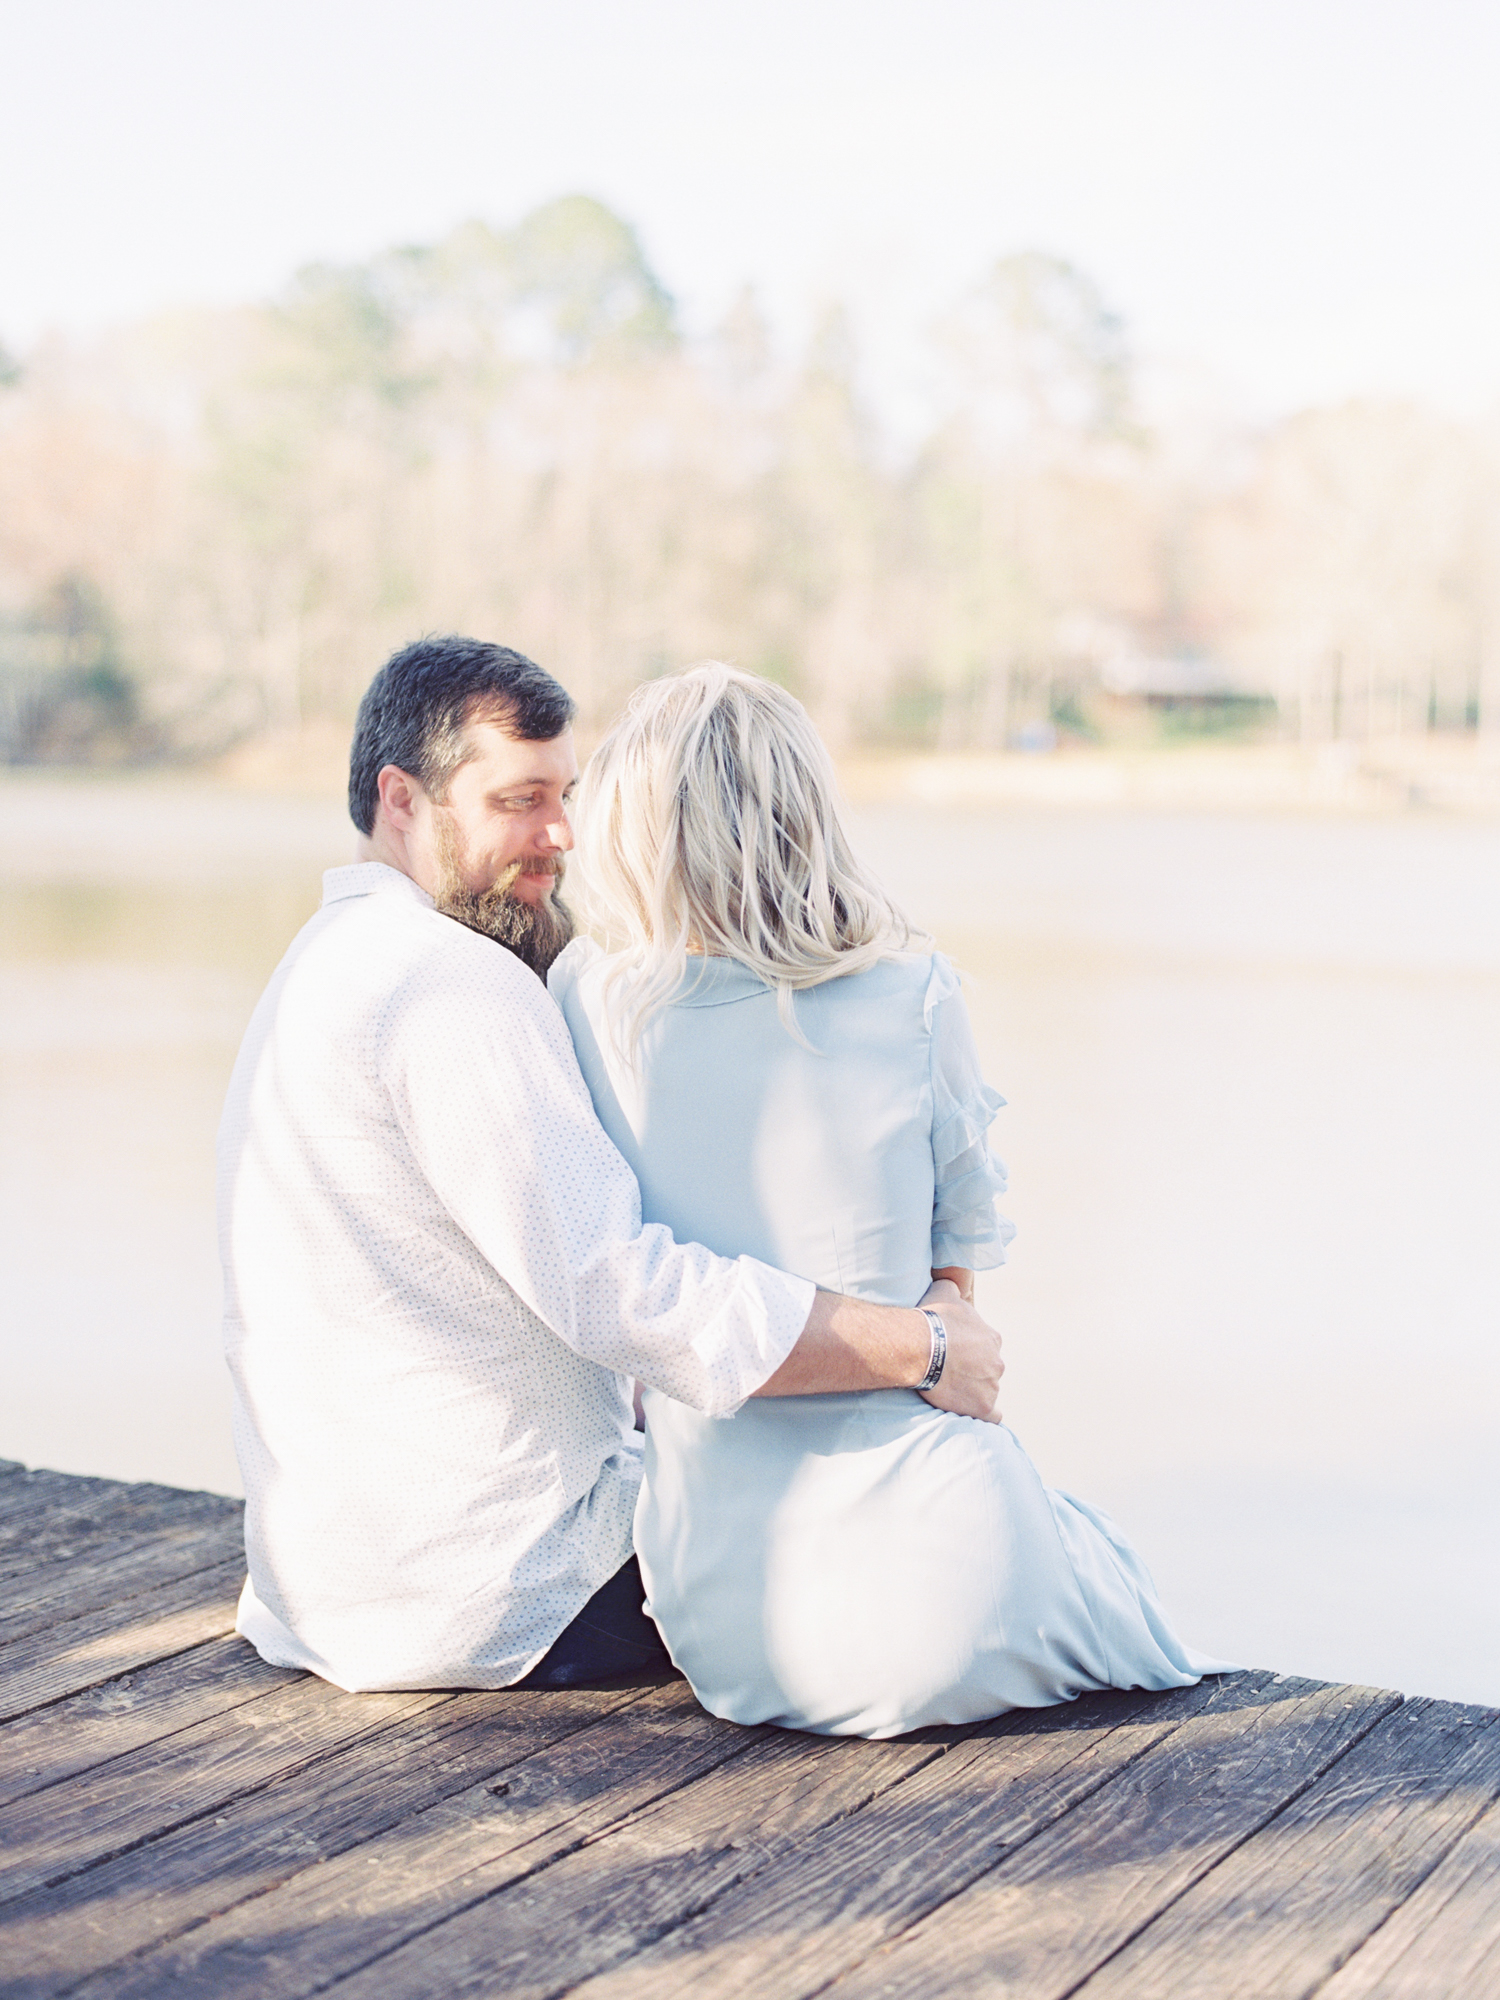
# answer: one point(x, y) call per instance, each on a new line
point(437, 1283)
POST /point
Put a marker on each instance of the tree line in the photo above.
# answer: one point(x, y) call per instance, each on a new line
point(218, 522)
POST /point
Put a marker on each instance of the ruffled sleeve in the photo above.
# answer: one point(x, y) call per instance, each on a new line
point(966, 1228)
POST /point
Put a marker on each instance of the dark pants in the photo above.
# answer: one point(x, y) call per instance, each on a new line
point(611, 1639)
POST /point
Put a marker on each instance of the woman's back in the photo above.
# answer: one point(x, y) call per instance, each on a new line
point(821, 1156)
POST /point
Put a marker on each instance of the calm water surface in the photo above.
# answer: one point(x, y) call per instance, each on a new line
point(1254, 1076)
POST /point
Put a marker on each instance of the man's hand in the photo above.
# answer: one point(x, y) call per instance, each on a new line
point(851, 1344)
point(969, 1385)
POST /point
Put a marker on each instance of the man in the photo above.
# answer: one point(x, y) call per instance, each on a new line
point(437, 1284)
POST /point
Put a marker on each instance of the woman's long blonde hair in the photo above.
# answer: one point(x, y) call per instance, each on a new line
point(708, 822)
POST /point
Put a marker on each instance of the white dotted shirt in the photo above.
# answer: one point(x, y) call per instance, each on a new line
point(436, 1281)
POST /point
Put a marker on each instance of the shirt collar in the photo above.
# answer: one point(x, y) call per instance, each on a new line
point(371, 878)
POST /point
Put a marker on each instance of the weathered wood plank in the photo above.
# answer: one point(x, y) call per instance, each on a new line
point(806, 1920)
point(29, 1548)
point(30, 1498)
point(1282, 1913)
point(1444, 1940)
point(31, 1540)
point(52, 1835)
point(40, 1492)
point(1039, 1923)
point(33, 1498)
point(140, 1921)
point(605, 1899)
point(113, 1573)
point(84, 1652)
point(49, 1744)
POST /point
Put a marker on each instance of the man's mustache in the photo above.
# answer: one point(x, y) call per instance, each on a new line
point(539, 864)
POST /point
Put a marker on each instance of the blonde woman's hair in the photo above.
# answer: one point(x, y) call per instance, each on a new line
point(708, 822)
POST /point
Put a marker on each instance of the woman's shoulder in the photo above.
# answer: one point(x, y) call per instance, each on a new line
point(571, 963)
point(894, 996)
point(923, 977)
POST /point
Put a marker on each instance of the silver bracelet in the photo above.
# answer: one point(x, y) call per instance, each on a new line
point(939, 1353)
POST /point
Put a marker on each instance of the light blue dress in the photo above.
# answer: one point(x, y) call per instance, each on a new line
point(852, 1564)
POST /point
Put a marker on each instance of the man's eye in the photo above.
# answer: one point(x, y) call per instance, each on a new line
point(519, 804)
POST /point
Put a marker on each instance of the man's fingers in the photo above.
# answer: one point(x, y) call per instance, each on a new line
point(970, 1383)
point(993, 1415)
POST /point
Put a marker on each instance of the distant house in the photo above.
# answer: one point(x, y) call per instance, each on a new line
point(1181, 681)
point(1162, 677)
point(1197, 687)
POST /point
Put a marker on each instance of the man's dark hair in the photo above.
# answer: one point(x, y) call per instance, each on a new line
point(415, 711)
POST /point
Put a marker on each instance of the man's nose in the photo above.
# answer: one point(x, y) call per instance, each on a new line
point(558, 833)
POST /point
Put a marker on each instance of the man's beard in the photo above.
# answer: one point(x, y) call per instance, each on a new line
point(535, 932)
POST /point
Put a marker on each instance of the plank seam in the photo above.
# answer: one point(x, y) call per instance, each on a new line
point(686, 1917)
point(665, 1930)
point(530, 1875)
point(146, 1742)
point(159, 1584)
point(74, 1874)
point(1354, 1950)
point(145, 1950)
point(939, 1750)
point(1006, 1853)
point(44, 1570)
point(155, 1659)
point(45, 1620)
point(1313, 1777)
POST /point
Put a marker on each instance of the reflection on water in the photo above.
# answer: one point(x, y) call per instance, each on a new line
point(138, 923)
point(1254, 1085)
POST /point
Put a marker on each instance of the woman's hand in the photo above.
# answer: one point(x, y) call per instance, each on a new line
point(970, 1382)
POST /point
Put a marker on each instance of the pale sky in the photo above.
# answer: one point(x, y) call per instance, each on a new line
point(1300, 196)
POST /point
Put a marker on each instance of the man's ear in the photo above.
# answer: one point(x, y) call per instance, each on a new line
point(399, 793)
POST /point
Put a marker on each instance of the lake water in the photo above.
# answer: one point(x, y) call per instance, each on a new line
point(1253, 1066)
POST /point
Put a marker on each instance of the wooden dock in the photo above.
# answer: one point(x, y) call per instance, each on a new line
point(178, 1818)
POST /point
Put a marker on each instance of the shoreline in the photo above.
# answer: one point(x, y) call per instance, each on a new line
point(1443, 774)
point(1449, 775)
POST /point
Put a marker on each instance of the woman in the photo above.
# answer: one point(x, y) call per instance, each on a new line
point(792, 1081)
